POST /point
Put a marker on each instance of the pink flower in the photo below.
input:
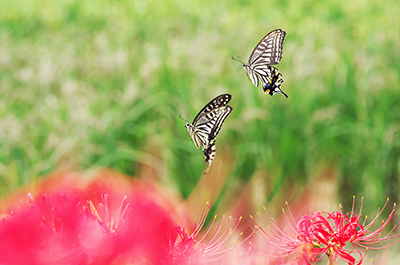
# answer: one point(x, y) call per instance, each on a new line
point(107, 221)
point(61, 228)
point(287, 248)
point(335, 235)
point(196, 249)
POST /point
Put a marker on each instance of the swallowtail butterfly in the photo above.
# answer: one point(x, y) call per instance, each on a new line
point(207, 123)
point(267, 52)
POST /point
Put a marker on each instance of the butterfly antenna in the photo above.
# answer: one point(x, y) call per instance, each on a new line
point(183, 118)
point(238, 59)
point(237, 71)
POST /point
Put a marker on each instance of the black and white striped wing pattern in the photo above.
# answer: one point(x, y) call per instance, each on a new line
point(207, 127)
point(207, 124)
point(217, 102)
point(269, 50)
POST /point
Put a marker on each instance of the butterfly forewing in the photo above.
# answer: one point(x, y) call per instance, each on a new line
point(219, 101)
point(269, 49)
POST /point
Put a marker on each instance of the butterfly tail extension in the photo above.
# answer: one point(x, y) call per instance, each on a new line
point(283, 93)
point(272, 89)
point(209, 153)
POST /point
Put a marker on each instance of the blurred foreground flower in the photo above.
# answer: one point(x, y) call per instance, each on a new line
point(59, 229)
point(335, 235)
point(105, 224)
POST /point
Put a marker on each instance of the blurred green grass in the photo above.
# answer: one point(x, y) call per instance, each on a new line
point(102, 83)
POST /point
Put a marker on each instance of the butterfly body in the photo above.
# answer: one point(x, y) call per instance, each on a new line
point(267, 52)
point(207, 124)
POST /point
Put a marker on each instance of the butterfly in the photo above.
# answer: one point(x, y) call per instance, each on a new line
point(207, 124)
point(267, 52)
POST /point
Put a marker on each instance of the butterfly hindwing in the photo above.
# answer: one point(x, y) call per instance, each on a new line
point(251, 74)
point(272, 81)
point(209, 153)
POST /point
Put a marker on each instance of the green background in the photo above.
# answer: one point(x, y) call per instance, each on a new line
point(88, 84)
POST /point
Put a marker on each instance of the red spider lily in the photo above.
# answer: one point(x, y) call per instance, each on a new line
point(107, 222)
point(189, 249)
point(335, 235)
point(58, 229)
point(287, 248)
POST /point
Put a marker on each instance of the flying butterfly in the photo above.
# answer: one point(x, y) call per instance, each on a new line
point(267, 52)
point(207, 124)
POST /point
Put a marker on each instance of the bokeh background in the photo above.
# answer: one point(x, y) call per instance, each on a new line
point(90, 84)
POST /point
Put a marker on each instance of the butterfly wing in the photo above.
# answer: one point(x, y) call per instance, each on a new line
point(269, 49)
point(271, 81)
point(219, 101)
point(224, 112)
point(251, 75)
point(209, 153)
point(209, 124)
point(198, 139)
